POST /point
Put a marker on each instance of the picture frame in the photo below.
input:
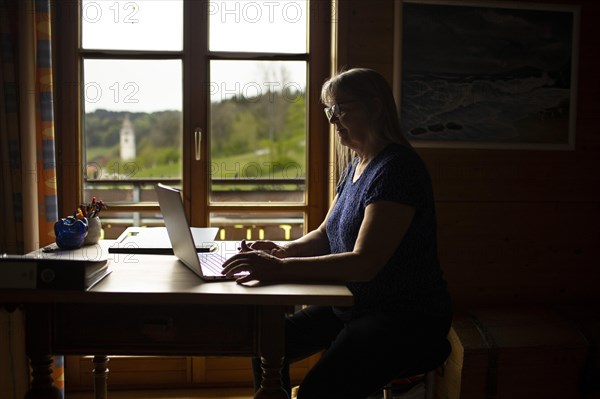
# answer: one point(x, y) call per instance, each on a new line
point(497, 75)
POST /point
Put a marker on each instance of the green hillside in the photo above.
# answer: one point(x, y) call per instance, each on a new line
point(258, 137)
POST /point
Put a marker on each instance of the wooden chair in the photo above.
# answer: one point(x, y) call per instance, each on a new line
point(426, 369)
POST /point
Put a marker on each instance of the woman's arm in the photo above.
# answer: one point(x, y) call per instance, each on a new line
point(384, 225)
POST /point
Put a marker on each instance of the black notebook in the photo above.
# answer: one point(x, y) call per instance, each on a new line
point(51, 273)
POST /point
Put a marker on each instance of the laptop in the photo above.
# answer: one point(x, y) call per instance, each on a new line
point(207, 265)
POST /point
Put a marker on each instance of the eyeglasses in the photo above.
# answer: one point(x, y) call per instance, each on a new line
point(335, 110)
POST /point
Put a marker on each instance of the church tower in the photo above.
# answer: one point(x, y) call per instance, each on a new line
point(127, 140)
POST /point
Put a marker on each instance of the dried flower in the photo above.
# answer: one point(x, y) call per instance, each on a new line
point(92, 209)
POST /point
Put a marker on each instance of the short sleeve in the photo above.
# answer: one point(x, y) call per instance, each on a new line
point(399, 180)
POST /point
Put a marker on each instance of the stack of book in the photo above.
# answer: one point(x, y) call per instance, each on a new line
point(55, 270)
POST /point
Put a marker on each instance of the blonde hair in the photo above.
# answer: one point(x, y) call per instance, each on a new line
point(364, 85)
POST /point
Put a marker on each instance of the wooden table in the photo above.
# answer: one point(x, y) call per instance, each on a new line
point(154, 305)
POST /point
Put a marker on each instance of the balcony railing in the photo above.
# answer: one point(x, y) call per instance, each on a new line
point(275, 225)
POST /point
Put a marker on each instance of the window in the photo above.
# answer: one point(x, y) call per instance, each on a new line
point(217, 102)
point(219, 98)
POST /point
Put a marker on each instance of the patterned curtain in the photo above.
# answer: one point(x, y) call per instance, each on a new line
point(28, 203)
point(45, 159)
point(28, 184)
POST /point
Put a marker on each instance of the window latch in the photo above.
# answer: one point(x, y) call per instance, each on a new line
point(198, 142)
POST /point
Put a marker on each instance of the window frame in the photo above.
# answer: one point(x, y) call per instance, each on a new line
point(195, 179)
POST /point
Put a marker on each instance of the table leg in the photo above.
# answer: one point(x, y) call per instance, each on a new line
point(42, 384)
point(100, 376)
point(270, 386)
point(38, 333)
point(271, 347)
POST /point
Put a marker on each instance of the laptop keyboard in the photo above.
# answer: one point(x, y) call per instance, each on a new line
point(213, 262)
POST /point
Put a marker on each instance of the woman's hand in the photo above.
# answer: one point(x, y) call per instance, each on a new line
point(264, 246)
point(259, 265)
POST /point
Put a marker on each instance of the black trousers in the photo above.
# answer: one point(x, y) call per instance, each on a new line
point(361, 355)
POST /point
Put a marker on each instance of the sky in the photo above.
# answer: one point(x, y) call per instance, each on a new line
point(155, 85)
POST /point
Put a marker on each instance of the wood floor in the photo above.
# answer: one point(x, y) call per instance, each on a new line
point(221, 393)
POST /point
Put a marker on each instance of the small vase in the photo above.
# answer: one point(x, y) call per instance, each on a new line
point(94, 231)
point(70, 232)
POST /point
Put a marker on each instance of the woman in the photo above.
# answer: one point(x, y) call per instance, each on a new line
point(379, 237)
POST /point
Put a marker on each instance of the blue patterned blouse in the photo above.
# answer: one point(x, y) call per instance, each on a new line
point(412, 280)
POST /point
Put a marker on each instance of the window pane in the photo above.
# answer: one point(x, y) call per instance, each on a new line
point(133, 125)
point(132, 25)
point(258, 26)
point(115, 223)
point(258, 131)
point(277, 226)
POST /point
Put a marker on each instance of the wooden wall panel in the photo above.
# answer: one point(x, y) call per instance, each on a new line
point(503, 252)
point(130, 372)
point(527, 176)
point(365, 29)
point(515, 226)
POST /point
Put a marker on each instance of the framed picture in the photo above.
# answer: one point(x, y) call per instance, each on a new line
point(486, 75)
